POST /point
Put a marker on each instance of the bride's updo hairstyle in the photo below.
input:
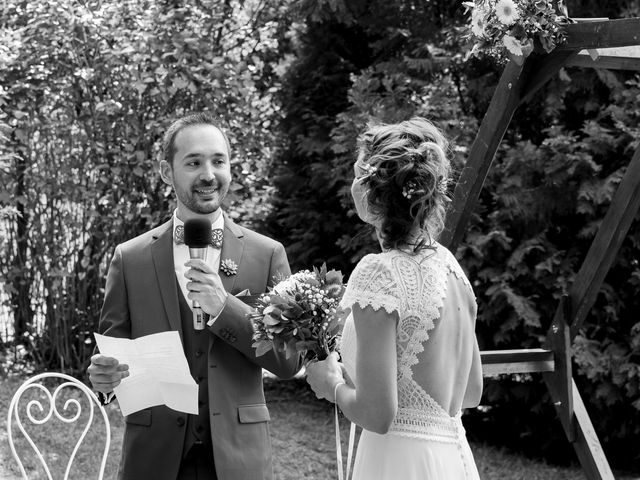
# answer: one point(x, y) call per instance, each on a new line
point(407, 178)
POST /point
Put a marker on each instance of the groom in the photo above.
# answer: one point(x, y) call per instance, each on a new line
point(150, 287)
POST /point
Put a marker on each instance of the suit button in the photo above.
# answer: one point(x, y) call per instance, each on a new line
point(199, 379)
point(180, 422)
point(199, 429)
point(198, 353)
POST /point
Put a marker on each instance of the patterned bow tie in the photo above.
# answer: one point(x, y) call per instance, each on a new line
point(216, 236)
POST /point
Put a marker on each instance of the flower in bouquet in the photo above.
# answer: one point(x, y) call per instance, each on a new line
point(507, 12)
point(510, 28)
point(300, 313)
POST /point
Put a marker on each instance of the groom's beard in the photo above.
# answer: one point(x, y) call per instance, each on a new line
point(204, 197)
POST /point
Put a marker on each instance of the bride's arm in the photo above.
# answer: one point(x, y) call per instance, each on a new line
point(373, 402)
point(473, 393)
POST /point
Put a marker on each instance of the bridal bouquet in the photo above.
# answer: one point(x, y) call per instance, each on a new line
point(507, 26)
point(300, 314)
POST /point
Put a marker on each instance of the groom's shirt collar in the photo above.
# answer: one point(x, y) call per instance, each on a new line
point(218, 223)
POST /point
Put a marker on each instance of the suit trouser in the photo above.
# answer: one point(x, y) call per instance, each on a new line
point(198, 464)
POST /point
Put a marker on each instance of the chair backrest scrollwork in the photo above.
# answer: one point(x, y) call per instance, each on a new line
point(70, 413)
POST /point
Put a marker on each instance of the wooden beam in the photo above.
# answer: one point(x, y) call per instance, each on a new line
point(605, 245)
point(587, 446)
point(609, 63)
point(543, 68)
point(621, 58)
point(494, 124)
point(601, 34)
point(517, 85)
point(498, 362)
point(560, 380)
point(622, 52)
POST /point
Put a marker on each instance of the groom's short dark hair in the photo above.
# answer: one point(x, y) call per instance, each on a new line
point(202, 118)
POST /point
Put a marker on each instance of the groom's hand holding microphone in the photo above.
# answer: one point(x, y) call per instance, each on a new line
point(205, 286)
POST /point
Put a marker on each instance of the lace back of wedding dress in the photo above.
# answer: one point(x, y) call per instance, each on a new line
point(415, 287)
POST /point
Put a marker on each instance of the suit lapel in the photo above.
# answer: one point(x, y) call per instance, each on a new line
point(232, 249)
point(162, 254)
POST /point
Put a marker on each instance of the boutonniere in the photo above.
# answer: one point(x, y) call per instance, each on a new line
point(228, 267)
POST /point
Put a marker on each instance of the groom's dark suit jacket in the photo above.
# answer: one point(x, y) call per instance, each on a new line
point(141, 298)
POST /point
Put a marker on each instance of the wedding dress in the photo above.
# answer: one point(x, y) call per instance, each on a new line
point(433, 300)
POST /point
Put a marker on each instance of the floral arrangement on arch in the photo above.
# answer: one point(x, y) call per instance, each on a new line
point(300, 313)
point(508, 28)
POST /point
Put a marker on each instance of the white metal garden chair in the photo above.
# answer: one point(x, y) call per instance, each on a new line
point(71, 413)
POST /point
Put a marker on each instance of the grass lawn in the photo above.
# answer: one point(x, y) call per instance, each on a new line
point(302, 435)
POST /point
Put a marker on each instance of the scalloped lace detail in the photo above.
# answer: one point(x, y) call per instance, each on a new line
point(371, 284)
point(414, 286)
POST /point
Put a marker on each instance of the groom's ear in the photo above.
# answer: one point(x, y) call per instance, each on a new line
point(166, 172)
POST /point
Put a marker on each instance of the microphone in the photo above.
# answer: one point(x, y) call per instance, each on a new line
point(197, 236)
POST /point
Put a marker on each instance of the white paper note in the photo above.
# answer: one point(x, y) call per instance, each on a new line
point(158, 372)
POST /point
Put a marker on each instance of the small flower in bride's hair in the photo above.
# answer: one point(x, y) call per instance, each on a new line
point(432, 156)
point(409, 190)
point(228, 267)
point(368, 169)
point(443, 186)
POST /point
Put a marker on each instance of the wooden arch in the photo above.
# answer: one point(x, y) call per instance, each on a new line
point(597, 43)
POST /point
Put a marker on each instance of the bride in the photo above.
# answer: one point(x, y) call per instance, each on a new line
point(411, 358)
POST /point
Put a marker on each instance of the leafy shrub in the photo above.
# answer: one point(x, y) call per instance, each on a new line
point(87, 91)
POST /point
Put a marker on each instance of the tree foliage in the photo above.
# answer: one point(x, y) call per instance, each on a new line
point(345, 53)
point(548, 191)
point(87, 91)
point(542, 205)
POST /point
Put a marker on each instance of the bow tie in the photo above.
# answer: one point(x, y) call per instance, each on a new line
point(216, 236)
